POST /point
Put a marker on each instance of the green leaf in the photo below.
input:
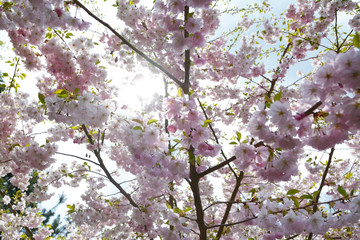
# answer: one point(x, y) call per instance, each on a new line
point(277, 96)
point(306, 196)
point(233, 143)
point(5, 74)
point(342, 191)
point(60, 91)
point(151, 121)
point(267, 99)
point(187, 209)
point(41, 98)
point(13, 146)
point(178, 211)
point(68, 35)
point(356, 40)
point(295, 200)
point(238, 135)
point(138, 128)
point(179, 92)
point(207, 121)
point(77, 90)
point(292, 192)
point(62, 95)
point(71, 208)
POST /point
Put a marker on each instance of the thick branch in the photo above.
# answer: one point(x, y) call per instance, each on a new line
point(194, 185)
point(187, 62)
point(229, 205)
point(126, 42)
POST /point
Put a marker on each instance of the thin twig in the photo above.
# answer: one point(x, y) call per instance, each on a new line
point(107, 173)
point(13, 78)
point(214, 134)
point(74, 156)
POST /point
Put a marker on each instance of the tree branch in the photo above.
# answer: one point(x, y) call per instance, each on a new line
point(220, 165)
point(214, 134)
point(232, 224)
point(321, 186)
point(311, 110)
point(187, 63)
point(74, 156)
point(126, 42)
point(106, 171)
point(229, 205)
point(13, 78)
point(194, 185)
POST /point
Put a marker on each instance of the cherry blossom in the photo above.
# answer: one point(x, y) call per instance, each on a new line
point(234, 147)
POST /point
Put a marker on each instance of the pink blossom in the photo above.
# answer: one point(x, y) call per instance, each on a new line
point(208, 150)
point(197, 40)
point(193, 25)
point(172, 128)
point(179, 42)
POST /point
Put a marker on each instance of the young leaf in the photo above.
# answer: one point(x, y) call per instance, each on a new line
point(292, 192)
point(268, 100)
point(342, 191)
point(151, 121)
point(41, 98)
point(306, 196)
point(179, 92)
point(277, 96)
point(238, 135)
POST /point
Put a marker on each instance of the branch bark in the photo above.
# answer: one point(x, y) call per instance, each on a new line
point(194, 185)
point(187, 63)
